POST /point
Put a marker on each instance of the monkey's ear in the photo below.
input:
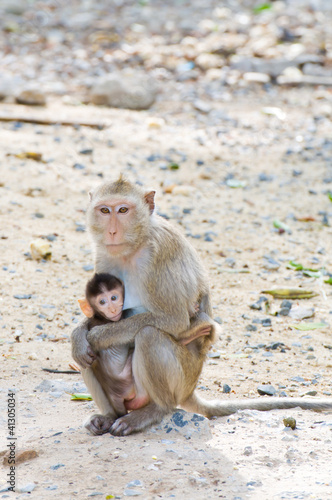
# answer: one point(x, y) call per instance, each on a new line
point(85, 308)
point(149, 199)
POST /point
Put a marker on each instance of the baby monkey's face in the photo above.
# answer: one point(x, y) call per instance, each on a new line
point(109, 304)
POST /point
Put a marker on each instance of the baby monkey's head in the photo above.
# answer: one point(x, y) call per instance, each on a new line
point(104, 297)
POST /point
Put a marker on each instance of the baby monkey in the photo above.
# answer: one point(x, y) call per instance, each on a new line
point(104, 298)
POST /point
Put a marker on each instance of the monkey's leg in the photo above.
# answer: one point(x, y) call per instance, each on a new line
point(200, 326)
point(167, 371)
point(202, 331)
point(99, 423)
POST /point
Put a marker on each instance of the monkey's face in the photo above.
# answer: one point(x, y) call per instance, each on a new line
point(119, 224)
point(109, 304)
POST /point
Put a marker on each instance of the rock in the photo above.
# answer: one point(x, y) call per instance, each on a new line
point(300, 312)
point(33, 356)
point(268, 390)
point(258, 305)
point(132, 493)
point(285, 307)
point(202, 106)
point(230, 262)
point(28, 488)
point(209, 61)
point(40, 249)
point(247, 451)
point(290, 422)
point(263, 322)
point(58, 386)
point(155, 122)
point(185, 424)
point(130, 90)
point(8, 84)
point(226, 389)
point(253, 77)
point(304, 79)
point(270, 264)
point(316, 70)
point(31, 97)
point(251, 328)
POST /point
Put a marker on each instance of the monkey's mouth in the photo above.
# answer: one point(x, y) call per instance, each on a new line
point(117, 317)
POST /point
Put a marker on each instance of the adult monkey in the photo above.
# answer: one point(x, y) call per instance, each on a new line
point(162, 273)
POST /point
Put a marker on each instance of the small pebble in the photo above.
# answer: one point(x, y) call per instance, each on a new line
point(290, 422)
point(88, 267)
point(267, 389)
point(132, 493)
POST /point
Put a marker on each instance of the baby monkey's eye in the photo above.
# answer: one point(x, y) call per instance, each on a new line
point(102, 302)
point(105, 210)
point(123, 210)
point(114, 297)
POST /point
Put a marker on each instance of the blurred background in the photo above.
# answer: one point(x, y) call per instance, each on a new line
point(175, 50)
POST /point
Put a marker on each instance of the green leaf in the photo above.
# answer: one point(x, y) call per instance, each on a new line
point(281, 225)
point(307, 271)
point(304, 327)
point(234, 183)
point(80, 396)
point(329, 194)
point(294, 265)
point(173, 166)
point(291, 293)
point(328, 281)
point(262, 7)
point(312, 273)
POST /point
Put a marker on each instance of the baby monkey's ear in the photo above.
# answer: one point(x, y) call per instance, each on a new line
point(86, 308)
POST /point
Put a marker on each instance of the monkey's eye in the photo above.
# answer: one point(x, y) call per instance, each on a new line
point(123, 210)
point(102, 302)
point(114, 298)
point(105, 210)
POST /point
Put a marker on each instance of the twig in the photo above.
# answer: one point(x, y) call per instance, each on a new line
point(51, 370)
point(45, 121)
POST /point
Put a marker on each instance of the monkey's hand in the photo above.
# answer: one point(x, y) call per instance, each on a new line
point(82, 351)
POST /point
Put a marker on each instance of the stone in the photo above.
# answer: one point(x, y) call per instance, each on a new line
point(185, 424)
point(254, 77)
point(300, 312)
point(31, 97)
point(267, 389)
point(124, 89)
point(316, 70)
point(202, 106)
point(28, 488)
point(40, 249)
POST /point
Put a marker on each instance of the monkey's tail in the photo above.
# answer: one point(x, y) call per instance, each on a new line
point(217, 408)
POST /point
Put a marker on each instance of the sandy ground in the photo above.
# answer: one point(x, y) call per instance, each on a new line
point(285, 166)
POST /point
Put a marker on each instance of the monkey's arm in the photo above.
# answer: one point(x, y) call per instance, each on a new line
point(119, 333)
point(124, 331)
point(81, 350)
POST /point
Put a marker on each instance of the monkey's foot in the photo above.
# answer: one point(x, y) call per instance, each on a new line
point(138, 420)
point(99, 424)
